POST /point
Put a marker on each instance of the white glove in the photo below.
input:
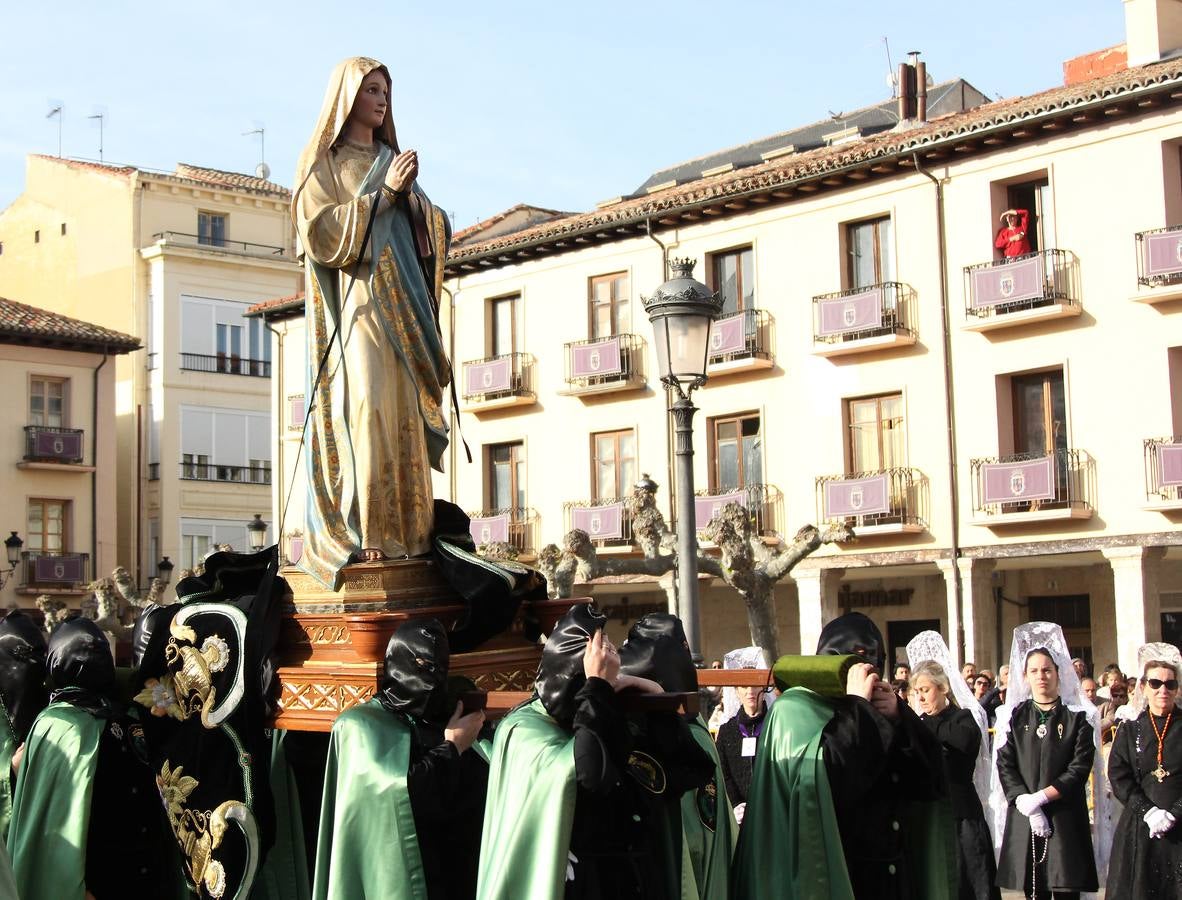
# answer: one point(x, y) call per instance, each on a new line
point(739, 810)
point(1158, 821)
point(1028, 803)
point(1040, 825)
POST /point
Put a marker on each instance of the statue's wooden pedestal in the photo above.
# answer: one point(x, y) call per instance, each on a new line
point(332, 643)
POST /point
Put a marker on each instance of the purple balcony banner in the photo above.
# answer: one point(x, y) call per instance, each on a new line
point(298, 411)
point(600, 358)
point(58, 445)
point(728, 335)
point(69, 569)
point(295, 550)
point(1024, 279)
point(488, 377)
point(600, 522)
point(857, 497)
point(489, 529)
point(707, 507)
point(1031, 479)
point(1163, 253)
point(1169, 463)
point(853, 312)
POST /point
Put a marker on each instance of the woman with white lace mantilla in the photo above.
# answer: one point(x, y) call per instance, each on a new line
point(1145, 770)
point(1044, 753)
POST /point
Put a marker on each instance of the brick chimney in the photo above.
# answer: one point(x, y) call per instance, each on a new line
point(1096, 64)
point(1153, 29)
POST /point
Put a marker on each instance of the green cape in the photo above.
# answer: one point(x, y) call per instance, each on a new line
point(530, 808)
point(708, 827)
point(284, 876)
point(51, 809)
point(790, 846)
point(367, 845)
point(7, 748)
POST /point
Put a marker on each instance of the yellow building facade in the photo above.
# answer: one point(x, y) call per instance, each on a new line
point(173, 258)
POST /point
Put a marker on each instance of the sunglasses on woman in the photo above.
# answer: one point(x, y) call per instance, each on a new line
point(1157, 684)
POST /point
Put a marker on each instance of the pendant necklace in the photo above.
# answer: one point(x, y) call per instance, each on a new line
point(1160, 772)
point(1041, 730)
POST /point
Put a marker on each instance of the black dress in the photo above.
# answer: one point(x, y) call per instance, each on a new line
point(1144, 868)
point(1027, 763)
point(958, 734)
point(737, 768)
point(876, 768)
point(630, 778)
point(447, 792)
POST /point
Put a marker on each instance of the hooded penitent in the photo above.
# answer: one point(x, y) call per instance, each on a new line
point(22, 671)
point(560, 673)
point(656, 648)
point(414, 679)
point(853, 633)
point(80, 666)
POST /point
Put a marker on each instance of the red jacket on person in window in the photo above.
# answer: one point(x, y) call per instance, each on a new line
point(1011, 239)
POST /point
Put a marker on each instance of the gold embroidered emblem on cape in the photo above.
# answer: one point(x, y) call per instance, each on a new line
point(199, 832)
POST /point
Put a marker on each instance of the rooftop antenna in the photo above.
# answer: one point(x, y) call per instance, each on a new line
point(891, 79)
point(100, 116)
point(57, 111)
point(262, 170)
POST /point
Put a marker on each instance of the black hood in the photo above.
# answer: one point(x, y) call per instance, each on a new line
point(148, 638)
point(656, 648)
point(855, 634)
point(414, 681)
point(80, 657)
point(560, 674)
point(22, 671)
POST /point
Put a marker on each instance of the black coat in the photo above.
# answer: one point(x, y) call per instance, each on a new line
point(1026, 764)
point(876, 768)
point(737, 768)
point(1144, 868)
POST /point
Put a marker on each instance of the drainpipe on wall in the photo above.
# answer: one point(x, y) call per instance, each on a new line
point(949, 405)
point(94, 416)
point(669, 455)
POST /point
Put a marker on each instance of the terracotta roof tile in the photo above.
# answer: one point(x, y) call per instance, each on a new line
point(817, 163)
point(108, 168)
point(278, 305)
point(537, 213)
point(24, 324)
point(229, 179)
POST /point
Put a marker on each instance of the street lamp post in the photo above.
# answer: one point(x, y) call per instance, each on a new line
point(681, 311)
point(257, 529)
point(12, 547)
point(164, 571)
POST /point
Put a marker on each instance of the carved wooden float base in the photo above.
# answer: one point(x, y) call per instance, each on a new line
point(332, 643)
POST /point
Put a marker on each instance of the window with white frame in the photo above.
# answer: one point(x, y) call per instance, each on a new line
point(217, 337)
point(47, 401)
point(225, 445)
point(200, 536)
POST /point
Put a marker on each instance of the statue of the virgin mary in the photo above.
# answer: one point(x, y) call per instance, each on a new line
point(373, 248)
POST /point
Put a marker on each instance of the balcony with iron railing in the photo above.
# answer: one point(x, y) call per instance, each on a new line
point(53, 571)
point(1037, 287)
point(50, 447)
point(873, 503)
point(1163, 474)
point(154, 471)
point(1025, 488)
point(1159, 264)
point(225, 364)
point(514, 526)
point(236, 474)
point(499, 382)
point(604, 365)
point(207, 242)
point(864, 320)
point(763, 502)
point(741, 342)
point(606, 522)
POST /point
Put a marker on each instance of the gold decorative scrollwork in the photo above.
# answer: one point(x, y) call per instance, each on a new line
point(199, 832)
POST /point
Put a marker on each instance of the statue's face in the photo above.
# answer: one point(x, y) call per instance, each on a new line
point(373, 98)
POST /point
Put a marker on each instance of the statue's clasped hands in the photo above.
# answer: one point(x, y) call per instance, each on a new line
point(403, 171)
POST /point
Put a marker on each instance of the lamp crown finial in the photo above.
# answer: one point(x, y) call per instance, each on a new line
point(682, 266)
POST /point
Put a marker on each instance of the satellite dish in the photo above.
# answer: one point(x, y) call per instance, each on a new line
point(263, 171)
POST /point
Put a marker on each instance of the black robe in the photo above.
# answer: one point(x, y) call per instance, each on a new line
point(960, 738)
point(737, 768)
point(619, 832)
point(447, 792)
point(876, 768)
point(1027, 764)
point(1143, 868)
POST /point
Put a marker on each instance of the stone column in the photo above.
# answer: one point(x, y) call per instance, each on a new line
point(816, 595)
point(1136, 600)
point(978, 609)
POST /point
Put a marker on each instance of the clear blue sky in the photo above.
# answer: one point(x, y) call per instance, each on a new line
point(554, 104)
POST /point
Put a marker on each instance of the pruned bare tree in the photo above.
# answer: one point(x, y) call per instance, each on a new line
point(744, 561)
